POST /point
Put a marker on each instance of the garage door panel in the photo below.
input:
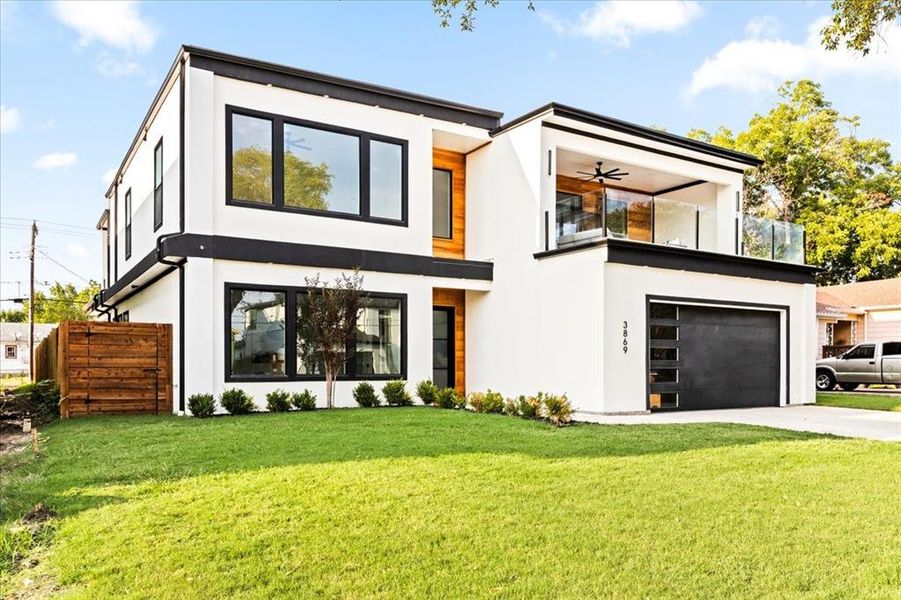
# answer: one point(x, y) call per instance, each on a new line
point(729, 358)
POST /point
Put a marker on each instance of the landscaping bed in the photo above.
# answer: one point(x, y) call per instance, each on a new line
point(421, 502)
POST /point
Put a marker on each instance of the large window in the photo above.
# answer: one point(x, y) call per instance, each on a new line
point(257, 333)
point(269, 335)
point(442, 203)
point(128, 224)
point(289, 164)
point(158, 185)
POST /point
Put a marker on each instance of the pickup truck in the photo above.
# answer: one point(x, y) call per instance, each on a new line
point(867, 363)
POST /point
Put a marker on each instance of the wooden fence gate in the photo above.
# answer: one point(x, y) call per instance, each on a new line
point(105, 368)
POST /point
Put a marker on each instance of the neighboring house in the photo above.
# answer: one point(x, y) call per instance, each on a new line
point(867, 311)
point(14, 345)
point(491, 254)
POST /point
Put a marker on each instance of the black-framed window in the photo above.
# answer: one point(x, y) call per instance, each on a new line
point(282, 163)
point(10, 351)
point(158, 185)
point(442, 203)
point(266, 333)
point(128, 224)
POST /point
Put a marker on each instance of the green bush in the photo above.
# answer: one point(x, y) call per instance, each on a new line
point(449, 398)
point(304, 400)
point(202, 405)
point(236, 402)
point(557, 409)
point(426, 390)
point(529, 407)
point(395, 393)
point(278, 401)
point(511, 407)
point(365, 395)
point(38, 401)
point(486, 402)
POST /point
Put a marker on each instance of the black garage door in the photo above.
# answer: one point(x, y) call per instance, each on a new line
point(712, 357)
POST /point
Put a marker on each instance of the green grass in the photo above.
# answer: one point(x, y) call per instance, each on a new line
point(868, 401)
point(421, 502)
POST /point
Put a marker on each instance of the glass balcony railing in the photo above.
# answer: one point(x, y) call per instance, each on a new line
point(774, 240)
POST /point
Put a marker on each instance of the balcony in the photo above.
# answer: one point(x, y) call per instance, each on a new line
point(775, 240)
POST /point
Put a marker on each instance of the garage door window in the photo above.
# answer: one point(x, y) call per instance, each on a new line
point(664, 375)
point(665, 354)
point(664, 332)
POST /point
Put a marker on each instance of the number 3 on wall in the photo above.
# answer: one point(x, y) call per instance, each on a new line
point(625, 337)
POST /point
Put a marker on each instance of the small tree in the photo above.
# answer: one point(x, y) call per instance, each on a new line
point(332, 318)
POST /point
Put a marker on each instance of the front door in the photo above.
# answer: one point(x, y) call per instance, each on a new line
point(443, 346)
point(858, 365)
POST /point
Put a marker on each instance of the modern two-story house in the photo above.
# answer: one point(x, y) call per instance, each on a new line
point(561, 250)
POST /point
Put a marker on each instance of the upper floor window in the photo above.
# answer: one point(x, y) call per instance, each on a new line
point(10, 352)
point(442, 185)
point(288, 164)
point(158, 185)
point(128, 224)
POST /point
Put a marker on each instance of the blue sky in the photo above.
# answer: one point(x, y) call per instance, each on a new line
point(76, 80)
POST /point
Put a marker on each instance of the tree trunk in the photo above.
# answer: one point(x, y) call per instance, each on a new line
point(329, 389)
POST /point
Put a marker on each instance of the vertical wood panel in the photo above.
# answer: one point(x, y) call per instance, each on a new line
point(455, 162)
point(457, 300)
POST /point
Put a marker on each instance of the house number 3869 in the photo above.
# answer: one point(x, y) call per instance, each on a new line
point(625, 336)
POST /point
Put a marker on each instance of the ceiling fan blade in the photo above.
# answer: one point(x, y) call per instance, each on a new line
point(614, 177)
point(585, 173)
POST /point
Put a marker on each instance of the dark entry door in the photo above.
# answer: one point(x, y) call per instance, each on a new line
point(443, 346)
point(705, 357)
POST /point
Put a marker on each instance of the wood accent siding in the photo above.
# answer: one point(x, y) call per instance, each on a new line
point(107, 368)
point(456, 299)
point(455, 162)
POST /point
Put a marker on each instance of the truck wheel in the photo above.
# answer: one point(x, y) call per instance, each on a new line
point(849, 387)
point(825, 381)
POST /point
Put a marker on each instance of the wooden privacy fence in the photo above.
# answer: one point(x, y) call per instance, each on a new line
point(108, 367)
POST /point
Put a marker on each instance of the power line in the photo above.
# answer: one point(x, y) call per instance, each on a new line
point(78, 234)
point(48, 223)
point(64, 266)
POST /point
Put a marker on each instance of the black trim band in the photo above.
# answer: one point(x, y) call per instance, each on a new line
point(643, 254)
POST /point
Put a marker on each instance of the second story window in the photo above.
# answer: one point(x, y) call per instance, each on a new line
point(128, 224)
point(442, 184)
point(293, 165)
point(158, 186)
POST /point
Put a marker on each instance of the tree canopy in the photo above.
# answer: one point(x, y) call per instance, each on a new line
point(62, 302)
point(857, 22)
point(845, 190)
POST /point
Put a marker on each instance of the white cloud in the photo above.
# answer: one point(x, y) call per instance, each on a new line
point(616, 22)
point(756, 65)
point(114, 67)
point(76, 250)
point(116, 24)
point(10, 118)
point(763, 27)
point(107, 177)
point(55, 160)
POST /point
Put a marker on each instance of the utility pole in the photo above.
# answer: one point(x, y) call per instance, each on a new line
point(34, 235)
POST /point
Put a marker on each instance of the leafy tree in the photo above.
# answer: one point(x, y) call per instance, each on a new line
point(13, 315)
point(332, 311)
point(62, 302)
point(857, 22)
point(306, 185)
point(846, 191)
point(445, 11)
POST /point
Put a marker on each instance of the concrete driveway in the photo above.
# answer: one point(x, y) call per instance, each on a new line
point(846, 422)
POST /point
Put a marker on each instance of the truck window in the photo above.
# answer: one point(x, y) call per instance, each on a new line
point(862, 351)
point(891, 348)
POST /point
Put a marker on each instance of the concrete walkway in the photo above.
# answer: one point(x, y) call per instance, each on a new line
point(846, 422)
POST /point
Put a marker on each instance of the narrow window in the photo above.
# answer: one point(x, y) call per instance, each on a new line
point(158, 185)
point(664, 311)
point(378, 344)
point(671, 354)
point(442, 203)
point(322, 170)
point(664, 332)
point(257, 333)
point(11, 352)
point(386, 180)
point(251, 159)
point(128, 224)
point(664, 376)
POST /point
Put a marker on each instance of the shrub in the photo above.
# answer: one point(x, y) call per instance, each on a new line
point(557, 409)
point(202, 405)
point(304, 400)
point(448, 398)
point(38, 401)
point(511, 408)
point(395, 393)
point(236, 402)
point(365, 395)
point(426, 390)
point(488, 402)
point(529, 407)
point(278, 401)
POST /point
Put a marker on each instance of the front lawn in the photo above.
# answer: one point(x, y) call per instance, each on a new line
point(428, 503)
point(868, 401)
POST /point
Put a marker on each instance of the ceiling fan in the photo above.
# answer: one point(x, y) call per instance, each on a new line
point(616, 174)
